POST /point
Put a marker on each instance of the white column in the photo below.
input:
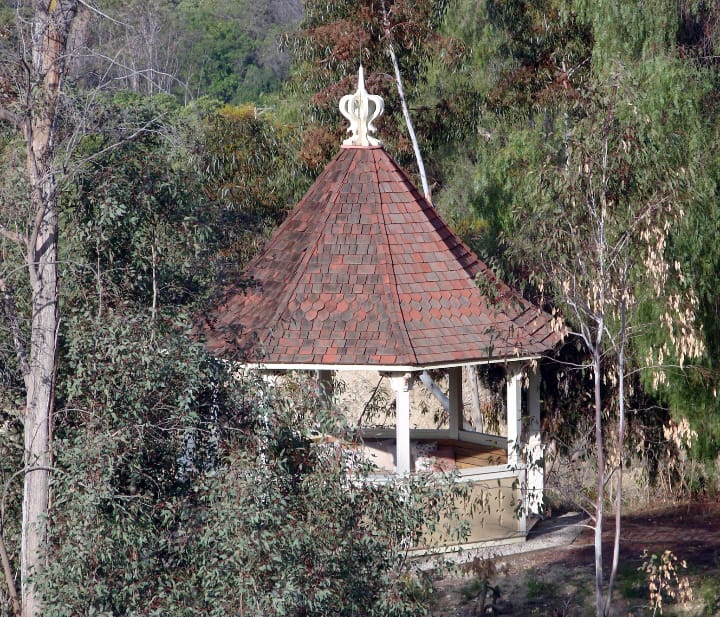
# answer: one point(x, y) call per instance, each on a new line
point(534, 447)
point(402, 384)
point(514, 412)
point(522, 519)
point(455, 395)
point(270, 380)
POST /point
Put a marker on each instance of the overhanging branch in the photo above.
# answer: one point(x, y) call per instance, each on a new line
point(14, 236)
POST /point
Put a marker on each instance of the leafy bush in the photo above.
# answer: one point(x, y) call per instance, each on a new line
point(184, 490)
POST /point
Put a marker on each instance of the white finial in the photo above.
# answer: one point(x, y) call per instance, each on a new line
point(356, 108)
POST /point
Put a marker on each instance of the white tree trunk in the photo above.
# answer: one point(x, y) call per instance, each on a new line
point(52, 22)
point(619, 448)
point(600, 499)
point(405, 110)
point(40, 384)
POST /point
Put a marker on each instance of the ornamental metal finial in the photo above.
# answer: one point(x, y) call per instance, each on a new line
point(357, 109)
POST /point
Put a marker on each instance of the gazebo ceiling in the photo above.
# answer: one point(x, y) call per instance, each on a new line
point(365, 273)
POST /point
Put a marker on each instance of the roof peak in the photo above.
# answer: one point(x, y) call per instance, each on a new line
point(361, 109)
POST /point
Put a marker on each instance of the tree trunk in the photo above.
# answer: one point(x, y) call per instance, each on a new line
point(51, 27)
point(620, 448)
point(38, 409)
point(404, 106)
point(599, 605)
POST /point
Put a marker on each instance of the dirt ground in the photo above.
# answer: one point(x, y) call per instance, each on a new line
point(558, 582)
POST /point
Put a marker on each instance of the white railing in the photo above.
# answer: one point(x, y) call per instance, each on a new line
point(481, 439)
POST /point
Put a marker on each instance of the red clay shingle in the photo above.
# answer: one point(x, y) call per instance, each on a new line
point(364, 272)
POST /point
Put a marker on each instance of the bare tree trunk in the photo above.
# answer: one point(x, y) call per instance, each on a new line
point(602, 608)
point(620, 448)
point(39, 401)
point(404, 105)
point(599, 605)
point(155, 291)
point(51, 25)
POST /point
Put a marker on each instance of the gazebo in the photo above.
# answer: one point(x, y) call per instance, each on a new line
point(364, 275)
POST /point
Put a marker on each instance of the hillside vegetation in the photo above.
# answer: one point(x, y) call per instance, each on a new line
point(148, 148)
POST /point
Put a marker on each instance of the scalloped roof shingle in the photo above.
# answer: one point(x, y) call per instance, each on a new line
point(364, 272)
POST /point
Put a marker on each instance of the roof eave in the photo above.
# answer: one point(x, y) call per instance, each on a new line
point(390, 368)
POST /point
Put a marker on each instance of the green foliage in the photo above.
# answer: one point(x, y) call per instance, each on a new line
point(251, 177)
point(599, 227)
point(127, 409)
point(535, 65)
point(181, 490)
point(539, 588)
point(691, 391)
point(709, 594)
point(625, 30)
point(14, 209)
point(226, 49)
point(676, 105)
point(290, 533)
point(140, 225)
point(498, 181)
point(631, 582)
point(526, 63)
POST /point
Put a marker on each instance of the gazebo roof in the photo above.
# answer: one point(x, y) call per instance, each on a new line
point(365, 273)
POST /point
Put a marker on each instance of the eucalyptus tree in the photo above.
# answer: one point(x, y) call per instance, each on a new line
point(141, 228)
point(597, 236)
point(524, 64)
point(594, 150)
point(45, 116)
point(188, 490)
point(251, 175)
point(34, 111)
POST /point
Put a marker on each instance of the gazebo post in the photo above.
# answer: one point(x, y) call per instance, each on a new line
point(455, 396)
point(402, 384)
point(514, 412)
point(535, 450)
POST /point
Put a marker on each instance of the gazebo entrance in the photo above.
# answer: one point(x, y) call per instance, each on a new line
point(504, 473)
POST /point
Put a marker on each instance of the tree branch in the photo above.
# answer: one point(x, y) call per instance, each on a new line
point(11, 315)
point(404, 105)
point(8, 116)
point(94, 9)
point(8, 574)
point(32, 243)
point(13, 236)
point(70, 171)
